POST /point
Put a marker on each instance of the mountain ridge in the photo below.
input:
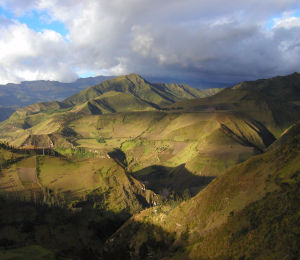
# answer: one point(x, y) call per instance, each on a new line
point(274, 102)
point(13, 96)
point(158, 94)
point(225, 219)
point(127, 170)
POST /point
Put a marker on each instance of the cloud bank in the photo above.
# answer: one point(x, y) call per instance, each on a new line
point(201, 42)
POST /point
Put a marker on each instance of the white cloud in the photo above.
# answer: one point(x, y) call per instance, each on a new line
point(29, 55)
point(19, 7)
point(287, 22)
point(200, 40)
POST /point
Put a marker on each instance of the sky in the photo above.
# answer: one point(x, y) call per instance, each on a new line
point(199, 42)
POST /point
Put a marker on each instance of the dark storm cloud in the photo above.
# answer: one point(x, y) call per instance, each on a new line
point(218, 42)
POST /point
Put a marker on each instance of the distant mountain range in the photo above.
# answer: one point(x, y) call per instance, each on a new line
point(13, 96)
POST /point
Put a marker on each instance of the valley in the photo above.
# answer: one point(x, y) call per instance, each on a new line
point(129, 169)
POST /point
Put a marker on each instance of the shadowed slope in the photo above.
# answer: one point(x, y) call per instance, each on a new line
point(249, 212)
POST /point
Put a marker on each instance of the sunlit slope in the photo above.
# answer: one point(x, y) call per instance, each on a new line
point(184, 144)
point(273, 102)
point(56, 180)
point(171, 139)
point(155, 95)
point(62, 204)
point(111, 102)
point(249, 212)
point(167, 150)
point(121, 94)
point(8, 156)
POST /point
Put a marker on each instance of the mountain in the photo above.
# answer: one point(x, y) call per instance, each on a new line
point(170, 149)
point(250, 212)
point(122, 94)
point(153, 95)
point(273, 102)
point(170, 152)
point(29, 92)
point(5, 112)
point(14, 96)
point(129, 169)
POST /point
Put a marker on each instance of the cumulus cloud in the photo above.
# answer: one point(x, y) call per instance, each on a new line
point(196, 41)
point(288, 21)
point(18, 7)
point(30, 55)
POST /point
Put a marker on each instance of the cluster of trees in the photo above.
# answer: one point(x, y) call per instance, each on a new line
point(7, 146)
point(31, 150)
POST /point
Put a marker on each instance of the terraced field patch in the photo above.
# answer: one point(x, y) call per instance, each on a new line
point(27, 175)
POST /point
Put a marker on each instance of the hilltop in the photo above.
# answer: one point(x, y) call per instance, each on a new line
point(148, 94)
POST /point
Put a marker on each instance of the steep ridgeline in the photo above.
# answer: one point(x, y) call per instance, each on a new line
point(132, 93)
point(273, 102)
point(250, 212)
point(14, 96)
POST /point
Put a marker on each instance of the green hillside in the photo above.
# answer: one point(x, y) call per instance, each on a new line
point(53, 207)
point(214, 177)
point(155, 95)
point(250, 212)
point(56, 180)
point(169, 150)
point(111, 102)
point(273, 102)
point(180, 144)
point(121, 94)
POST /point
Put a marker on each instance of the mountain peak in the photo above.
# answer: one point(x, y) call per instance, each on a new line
point(134, 77)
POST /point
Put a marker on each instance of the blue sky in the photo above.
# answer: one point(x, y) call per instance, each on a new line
point(36, 20)
point(273, 18)
point(199, 42)
point(41, 20)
